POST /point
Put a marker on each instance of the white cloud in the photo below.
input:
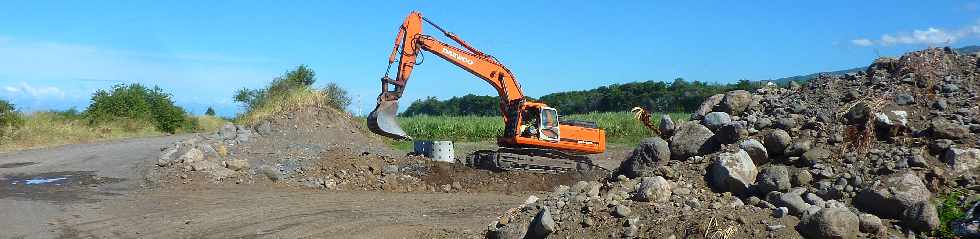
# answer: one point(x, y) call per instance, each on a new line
point(862, 42)
point(35, 92)
point(929, 36)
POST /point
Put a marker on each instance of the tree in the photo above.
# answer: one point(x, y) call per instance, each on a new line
point(336, 96)
point(139, 103)
point(209, 112)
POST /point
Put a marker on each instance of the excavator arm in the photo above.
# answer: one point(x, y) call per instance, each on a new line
point(408, 46)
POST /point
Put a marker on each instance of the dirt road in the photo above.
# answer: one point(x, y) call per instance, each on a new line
point(96, 191)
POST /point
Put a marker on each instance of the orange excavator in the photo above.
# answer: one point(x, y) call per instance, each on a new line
point(534, 138)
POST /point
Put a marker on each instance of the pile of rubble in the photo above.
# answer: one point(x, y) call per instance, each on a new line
point(860, 155)
point(323, 149)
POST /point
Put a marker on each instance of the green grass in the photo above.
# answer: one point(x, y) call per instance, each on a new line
point(950, 209)
point(620, 127)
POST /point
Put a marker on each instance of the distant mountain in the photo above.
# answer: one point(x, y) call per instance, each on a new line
point(804, 78)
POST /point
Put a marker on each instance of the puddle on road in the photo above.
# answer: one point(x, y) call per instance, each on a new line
point(16, 165)
point(66, 186)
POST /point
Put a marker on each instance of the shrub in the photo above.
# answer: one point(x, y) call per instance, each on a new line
point(139, 103)
point(290, 91)
point(209, 112)
point(9, 117)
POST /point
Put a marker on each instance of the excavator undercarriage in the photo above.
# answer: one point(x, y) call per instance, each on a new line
point(529, 160)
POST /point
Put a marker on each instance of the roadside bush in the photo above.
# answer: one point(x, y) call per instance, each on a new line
point(9, 117)
point(139, 103)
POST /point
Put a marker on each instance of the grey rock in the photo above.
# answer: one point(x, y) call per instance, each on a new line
point(776, 141)
point(773, 178)
point(791, 200)
point(666, 125)
point(830, 223)
point(816, 155)
point(893, 196)
point(763, 123)
point(653, 189)
point(192, 155)
point(922, 216)
point(228, 132)
point(167, 157)
point(645, 157)
point(390, 169)
point(621, 211)
point(798, 148)
point(542, 225)
point(962, 160)
point(858, 113)
point(870, 223)
point(733, 172)
point(892, 119)
point(944, 129)
point(270, 172)
point(785, 123)
point(904, 99)
point(706, 106)
point(264, 128)
point(940, 104)
point(940, 145)
point(813, 199)
point(715, 120)
point(969, 226)
point(756, 151)
point(690, 139)
point(780, 212)
point(950, 88)
point(735, 102)
point(237, 164)
point(801, 178)
point(732, 132)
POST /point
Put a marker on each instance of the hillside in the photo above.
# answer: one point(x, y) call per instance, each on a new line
point(804, 78)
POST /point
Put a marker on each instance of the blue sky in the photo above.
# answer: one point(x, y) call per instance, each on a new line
point(54, 54)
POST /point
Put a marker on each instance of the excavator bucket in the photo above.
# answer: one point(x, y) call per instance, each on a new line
point(382, 120)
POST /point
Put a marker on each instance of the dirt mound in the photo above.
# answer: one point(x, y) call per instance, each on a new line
point(321, 148)
point(859, 155)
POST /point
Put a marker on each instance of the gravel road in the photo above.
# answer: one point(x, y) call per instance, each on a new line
point(96, 191)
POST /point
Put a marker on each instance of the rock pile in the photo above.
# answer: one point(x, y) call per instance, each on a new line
point(862, 154)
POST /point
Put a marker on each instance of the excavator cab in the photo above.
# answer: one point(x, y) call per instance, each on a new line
point(548, 125)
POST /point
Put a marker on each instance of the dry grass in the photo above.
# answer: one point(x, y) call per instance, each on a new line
point(288, 102)
point(45, 129)
point(207, 123)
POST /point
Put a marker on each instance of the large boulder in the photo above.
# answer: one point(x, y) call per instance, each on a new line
point(962, 160)
point(542, 225)
point(922, 216)
point(715, 120)
point(733, 172)
point(774, 178)
point(756, 150)
point(690, 139)
point(732, 132)
point(168, 156)
point(707, 106)
point(776, 141)
point(944, 129)
point(645, 158)
point(830, 223)
point(735, 102)
point(894, 196)
point(192, 155)
point(792, 200)
point(228, 132)
point(652, 189)
point(858, 114)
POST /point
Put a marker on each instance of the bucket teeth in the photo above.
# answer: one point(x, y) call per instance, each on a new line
point(382, 121)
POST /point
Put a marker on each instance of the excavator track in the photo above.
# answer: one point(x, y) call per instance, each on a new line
point(533, 160)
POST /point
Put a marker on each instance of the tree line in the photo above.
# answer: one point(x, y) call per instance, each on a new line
point(679, 95)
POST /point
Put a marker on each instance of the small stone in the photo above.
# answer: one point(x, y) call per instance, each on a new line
point(543, 224)
point(621, 211)
point(904, 99)
point(715, 120)
point(780, 212)
point(237, 164)
point(870, 223)
point(776, 141)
